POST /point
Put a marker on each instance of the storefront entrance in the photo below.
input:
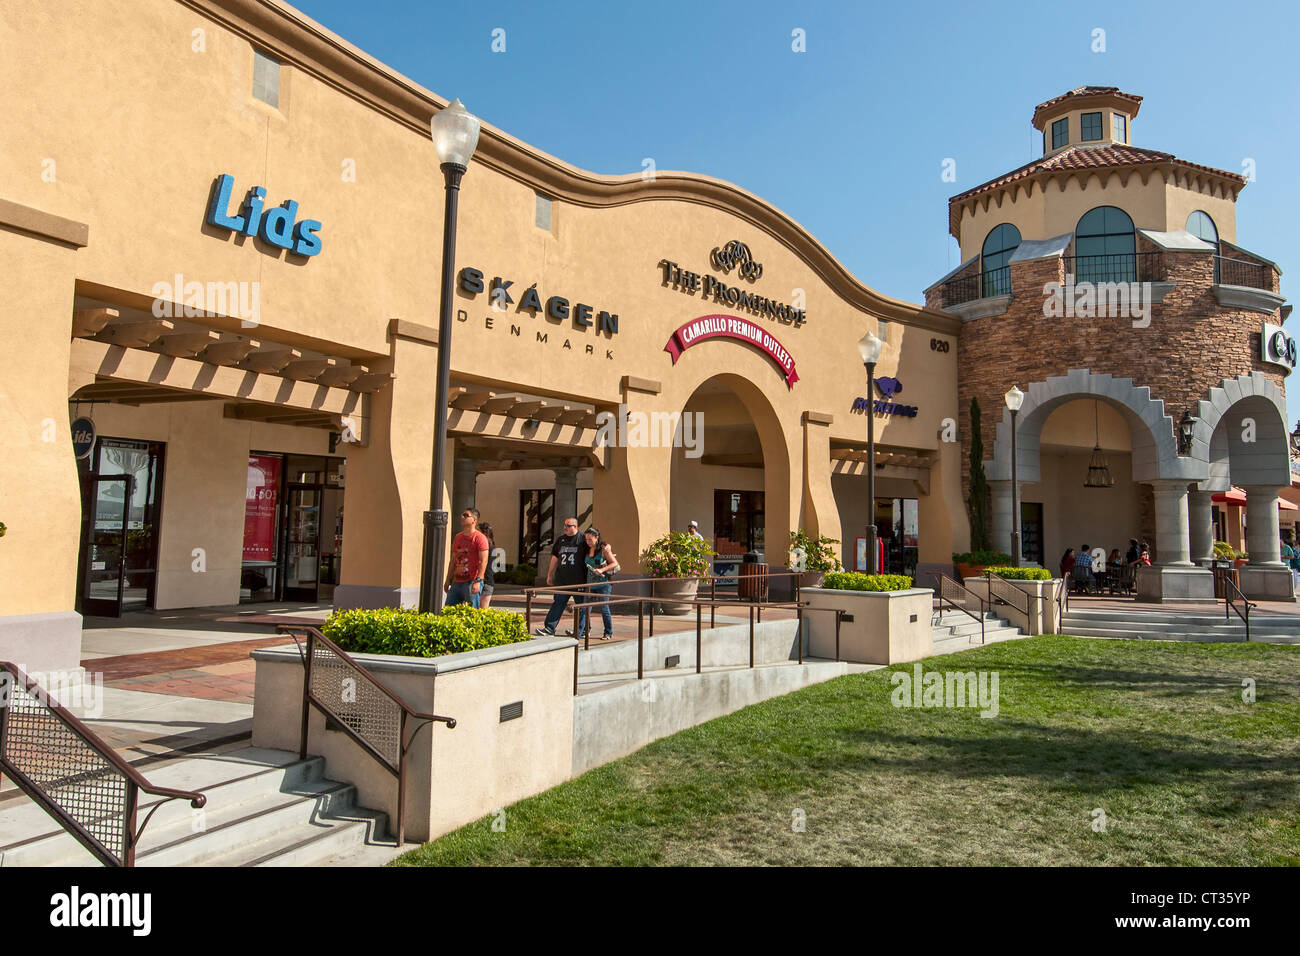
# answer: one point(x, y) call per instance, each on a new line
point(293, 528)
point(121, 497)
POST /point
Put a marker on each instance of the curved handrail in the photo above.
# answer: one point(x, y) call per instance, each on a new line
point(1006, 592)
point(951, 590)
point(1230, 589)
point(136, 782)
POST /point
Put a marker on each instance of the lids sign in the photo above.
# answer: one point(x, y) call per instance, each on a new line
point(83, 437)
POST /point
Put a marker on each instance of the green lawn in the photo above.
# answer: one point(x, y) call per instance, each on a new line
point(1154, 734)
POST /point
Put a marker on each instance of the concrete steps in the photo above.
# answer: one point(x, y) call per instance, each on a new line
point(953, 629)
point(265, 808)
point(1171, 624)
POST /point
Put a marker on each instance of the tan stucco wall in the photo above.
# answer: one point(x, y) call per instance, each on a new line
point(101, 126)
point(39, 492)
point(1074, 515)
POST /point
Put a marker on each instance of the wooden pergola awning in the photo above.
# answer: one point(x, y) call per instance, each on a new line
point(513, 430)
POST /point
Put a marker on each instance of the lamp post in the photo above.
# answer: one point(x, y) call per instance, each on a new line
point(455, 135)
point(869, 348)
point(1014, 399)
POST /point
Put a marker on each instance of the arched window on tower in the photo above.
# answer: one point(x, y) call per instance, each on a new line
point(1200, 225)
point(1105, 247)
point(995, 273)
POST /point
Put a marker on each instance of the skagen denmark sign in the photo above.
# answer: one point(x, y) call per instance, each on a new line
point(732, 327)
point(734, 255)
point(581, 317)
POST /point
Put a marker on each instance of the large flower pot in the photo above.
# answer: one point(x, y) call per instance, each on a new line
point(970, 570)
point(812, 579)
point(679, 591)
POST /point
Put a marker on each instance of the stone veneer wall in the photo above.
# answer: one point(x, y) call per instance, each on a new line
point(1191, 345)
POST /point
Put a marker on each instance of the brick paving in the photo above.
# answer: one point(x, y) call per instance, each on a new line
point(211, 672)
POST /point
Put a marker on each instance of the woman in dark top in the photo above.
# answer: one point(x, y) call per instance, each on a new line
point(1067, 562)
point(601, 565)
point(1134, 552)
point(489, 579)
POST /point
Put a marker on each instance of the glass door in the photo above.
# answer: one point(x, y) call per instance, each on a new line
point(103, 579)
point(302, 543)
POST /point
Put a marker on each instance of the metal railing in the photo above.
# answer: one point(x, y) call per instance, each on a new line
point(585, 600)
point(977, 285)
point(1243, 272)
point(72, 774)
point(1002, 591)
point(372, 715)
point(1115, 267)
point(1232, 595)
point(953, 593)
point(1063, 597)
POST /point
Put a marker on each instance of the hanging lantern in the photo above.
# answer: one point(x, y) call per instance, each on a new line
point(1099, 475)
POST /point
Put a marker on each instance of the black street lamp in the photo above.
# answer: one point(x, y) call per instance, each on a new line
point(455, 135)
point(1014, 399)
point(869, 348)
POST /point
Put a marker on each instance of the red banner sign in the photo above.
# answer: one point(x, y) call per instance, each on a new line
point(732, 327)
point(261, 496)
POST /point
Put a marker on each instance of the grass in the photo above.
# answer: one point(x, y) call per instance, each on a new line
point(1156, 735)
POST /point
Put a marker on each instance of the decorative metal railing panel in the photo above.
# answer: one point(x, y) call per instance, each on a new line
point(350, 695)
point(1003, 590)
point(72, 774)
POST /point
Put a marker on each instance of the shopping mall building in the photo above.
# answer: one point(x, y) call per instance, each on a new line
point(227, 235)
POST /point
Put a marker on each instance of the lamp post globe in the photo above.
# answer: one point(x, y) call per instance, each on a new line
point(455, 137)
point(1014, 398)
point(869, 348)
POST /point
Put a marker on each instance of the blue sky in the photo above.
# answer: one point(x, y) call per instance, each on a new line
point(849, 137)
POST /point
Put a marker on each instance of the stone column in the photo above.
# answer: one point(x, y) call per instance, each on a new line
point(1175, 578)
point(1172, 532)
point(1262, 542)
point(463, 486)
point(1200, 526)
point(1000, 518)
point(1265, 577)
point(566, 496)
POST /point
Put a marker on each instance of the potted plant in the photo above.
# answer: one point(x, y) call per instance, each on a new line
point(971, 564)
point(813, 556)
point(677, 555)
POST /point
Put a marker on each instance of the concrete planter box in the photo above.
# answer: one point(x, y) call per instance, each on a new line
point(887, 626)
point(453, 776)
point(1044, 613)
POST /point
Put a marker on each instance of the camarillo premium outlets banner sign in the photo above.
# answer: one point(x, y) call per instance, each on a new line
point(732, 327)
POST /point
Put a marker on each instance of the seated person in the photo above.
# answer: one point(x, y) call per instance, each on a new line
point(1083, 568)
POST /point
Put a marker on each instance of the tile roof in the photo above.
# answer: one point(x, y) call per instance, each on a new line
point(1082, 91)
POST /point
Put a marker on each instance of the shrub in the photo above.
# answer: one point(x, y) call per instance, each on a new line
point(1021, 574)
point(1224, 550)
point(816, 553)
point(982, 558)
point(677, 554)
point(856, 581)
point(411, 633)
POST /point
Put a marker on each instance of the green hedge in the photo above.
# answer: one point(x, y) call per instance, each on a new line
point(522, 574)
point(1022, 574)
point(410, 633)
point(981, 557)
point(855, 581)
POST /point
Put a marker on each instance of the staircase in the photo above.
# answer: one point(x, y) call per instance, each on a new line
point(1166, 623)
point(264, 808)
point(957, 631)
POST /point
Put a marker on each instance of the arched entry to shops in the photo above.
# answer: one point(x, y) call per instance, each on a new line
point(730, 472)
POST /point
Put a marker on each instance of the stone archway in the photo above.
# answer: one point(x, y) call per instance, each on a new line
point(1155, 461)
point(1243, 435)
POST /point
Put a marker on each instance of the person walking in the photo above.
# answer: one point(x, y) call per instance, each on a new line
point(601, 565)
point(1289, 559)
point(469, 559)
point(489, 577)
point(566, 568)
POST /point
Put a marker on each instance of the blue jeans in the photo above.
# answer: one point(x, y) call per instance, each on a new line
point(460, 593)
point(595, 589)
point(556, 612)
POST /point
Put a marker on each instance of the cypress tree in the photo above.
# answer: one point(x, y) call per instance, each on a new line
point(978, 503)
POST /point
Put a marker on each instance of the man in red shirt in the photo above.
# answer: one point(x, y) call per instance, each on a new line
point(469, 560)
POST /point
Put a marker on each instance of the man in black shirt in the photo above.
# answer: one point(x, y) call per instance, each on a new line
point(566, 567)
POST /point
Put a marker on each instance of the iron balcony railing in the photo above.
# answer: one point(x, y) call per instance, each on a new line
point(71, 773)
point(1115, 267)
point(978, 285)
point(1253, 275)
